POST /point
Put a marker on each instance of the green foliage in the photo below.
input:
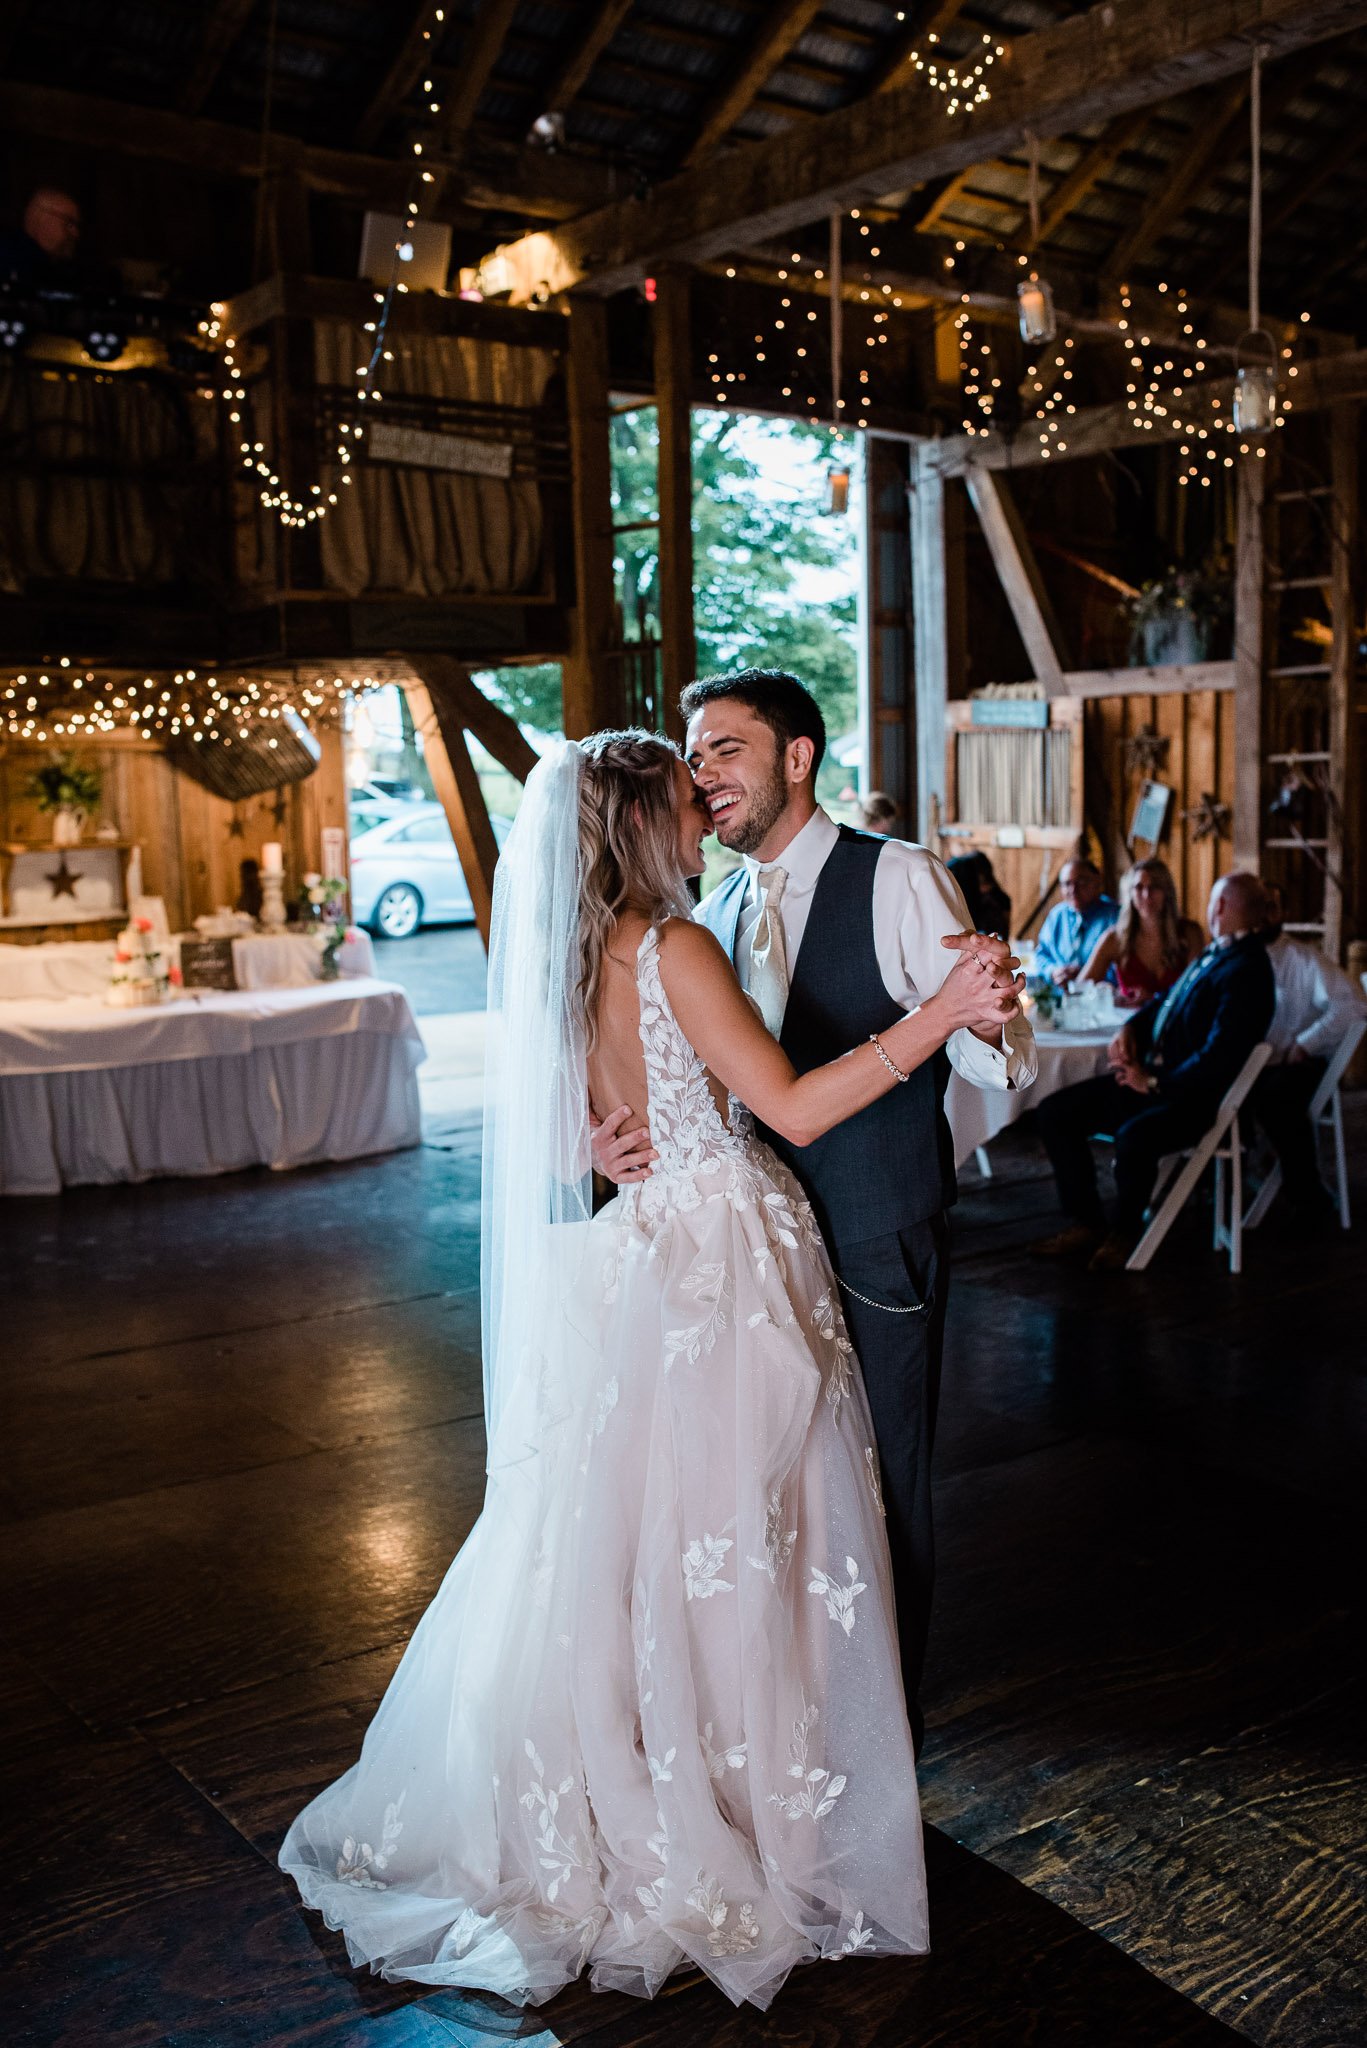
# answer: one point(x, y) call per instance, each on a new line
point(63, 783)
point(755, 542)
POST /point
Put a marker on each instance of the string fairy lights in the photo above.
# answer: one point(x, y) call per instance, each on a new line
point(66, 701)
point(291, 509)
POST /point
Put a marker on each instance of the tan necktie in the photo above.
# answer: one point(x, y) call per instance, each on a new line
point(763, 963)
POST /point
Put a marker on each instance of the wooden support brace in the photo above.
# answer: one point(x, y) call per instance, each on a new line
point(673, 401)
point(930, 636)
point(594, 695)
point(1014, 560)
point(1249, 629)
point(456, 781)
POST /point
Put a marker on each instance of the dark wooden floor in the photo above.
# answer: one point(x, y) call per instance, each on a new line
point(242, 1439)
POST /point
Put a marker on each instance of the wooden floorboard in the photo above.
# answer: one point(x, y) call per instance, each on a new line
point(243, 1442)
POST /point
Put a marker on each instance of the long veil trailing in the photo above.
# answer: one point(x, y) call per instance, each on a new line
point(536, 1184)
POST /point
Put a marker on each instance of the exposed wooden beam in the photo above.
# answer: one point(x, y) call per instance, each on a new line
point(494, 176)
point(1321, 166)
point(225, 23)
point(1329, 380)
point(406, 68)
point(594, 695)
point(1091, 67)
point(781, 27)
point(456, 781)
point(491, 725)
point(949, 191)
point(1249, 634)
point(1090, 168)
point(929, 637)
point(1189, 171)
point(589, 45)
point(488, 33)
point(931, 24)
point(1185, 679)
point(674, 417)
point(1013, 558)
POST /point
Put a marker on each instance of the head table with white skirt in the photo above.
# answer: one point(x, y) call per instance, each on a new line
point(209, 1082)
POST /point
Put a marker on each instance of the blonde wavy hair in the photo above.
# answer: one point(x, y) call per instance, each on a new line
point(628, 848)
point(1169, 917)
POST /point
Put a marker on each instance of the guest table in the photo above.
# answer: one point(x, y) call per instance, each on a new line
point(207, 1083)
point(976, 1115)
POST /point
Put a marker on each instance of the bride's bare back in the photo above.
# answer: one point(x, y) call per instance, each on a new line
point(617, 1071)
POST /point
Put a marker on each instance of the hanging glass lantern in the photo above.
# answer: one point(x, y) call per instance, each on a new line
point(1035, 303)
point(838, 490)
point(1255, 385)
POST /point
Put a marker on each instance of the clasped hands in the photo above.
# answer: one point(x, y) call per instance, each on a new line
point(982, 987)
point(1122, 1055)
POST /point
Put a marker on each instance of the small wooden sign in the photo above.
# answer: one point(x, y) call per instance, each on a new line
point(207, 963)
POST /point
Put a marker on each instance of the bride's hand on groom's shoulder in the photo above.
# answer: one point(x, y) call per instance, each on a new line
point(620, 1156)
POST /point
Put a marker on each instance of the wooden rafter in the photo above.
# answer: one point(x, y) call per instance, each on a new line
point(225, 24)
point(589, 45)
point(931, 23)
point(489, 32)
point(1319, 169)
point(1192, 166)
point(782, 26)
point(952, 189)
point(499, 177)
point(1090, 168)
point(1122, 55)
point(1210, 141)
point(405, 69)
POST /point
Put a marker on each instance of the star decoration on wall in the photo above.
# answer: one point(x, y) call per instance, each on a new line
point(1208, 819)
point(1146, 753)
point(64, 881)
point(236, 826)
point(280, 808)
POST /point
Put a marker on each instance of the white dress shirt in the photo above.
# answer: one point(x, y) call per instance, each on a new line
point(916, 901)
point(1316, 1001)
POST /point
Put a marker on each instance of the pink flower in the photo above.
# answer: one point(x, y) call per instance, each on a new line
point(120, 955)
point(175, 977)
point(142, 924)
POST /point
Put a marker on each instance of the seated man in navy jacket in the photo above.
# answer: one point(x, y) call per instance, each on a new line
point(1170, 1066)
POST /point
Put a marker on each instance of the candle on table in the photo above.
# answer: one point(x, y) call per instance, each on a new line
point(272, 858)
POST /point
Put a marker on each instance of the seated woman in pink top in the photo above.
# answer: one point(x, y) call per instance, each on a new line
point(1150, 943)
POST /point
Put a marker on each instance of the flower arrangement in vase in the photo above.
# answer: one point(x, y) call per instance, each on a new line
point(68, 792)
point(323, 899)
point(1175, 617)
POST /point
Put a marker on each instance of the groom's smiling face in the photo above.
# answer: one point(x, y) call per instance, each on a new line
point(737, 763)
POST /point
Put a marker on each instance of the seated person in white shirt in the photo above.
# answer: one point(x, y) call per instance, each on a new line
point(1316, 1004)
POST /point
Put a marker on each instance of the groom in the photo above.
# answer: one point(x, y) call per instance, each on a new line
point(834, 934)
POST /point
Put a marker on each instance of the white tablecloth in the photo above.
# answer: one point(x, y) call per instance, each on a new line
point(976, 1115)
point(207, 1084)
point(82, 967)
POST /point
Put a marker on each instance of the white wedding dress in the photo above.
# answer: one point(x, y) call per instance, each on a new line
point(653, 1718)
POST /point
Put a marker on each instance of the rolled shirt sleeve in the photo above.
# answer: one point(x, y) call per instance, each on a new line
point(916, 903)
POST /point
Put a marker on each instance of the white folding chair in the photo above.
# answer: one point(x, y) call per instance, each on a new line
point(1222, 1143)
point(1326, 1114)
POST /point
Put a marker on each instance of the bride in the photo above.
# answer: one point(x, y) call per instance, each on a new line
point(653, 1718)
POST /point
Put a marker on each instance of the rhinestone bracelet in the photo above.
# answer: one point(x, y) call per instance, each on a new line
point(876, 1042)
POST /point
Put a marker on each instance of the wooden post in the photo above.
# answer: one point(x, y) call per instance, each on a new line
point(890, 713)
point(456, 781)
point(930, 634)
point(593, 690)
point(1341, 903)
point(673, 395)
point(1015, 564)
point(1249, 626)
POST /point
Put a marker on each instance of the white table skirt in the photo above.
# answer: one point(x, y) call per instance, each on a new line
point(82, 967)
point(280, 1078)
point(977, 1115)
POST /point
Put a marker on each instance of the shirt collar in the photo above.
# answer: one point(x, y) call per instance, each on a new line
point(806, 853)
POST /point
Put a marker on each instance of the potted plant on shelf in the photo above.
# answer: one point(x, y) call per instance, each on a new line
point(1175, 617)
point(68, 792)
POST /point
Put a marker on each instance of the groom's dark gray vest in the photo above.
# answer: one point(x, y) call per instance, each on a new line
point(892, 1165)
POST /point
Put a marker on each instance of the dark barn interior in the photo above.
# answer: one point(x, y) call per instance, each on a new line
point(1005, 248)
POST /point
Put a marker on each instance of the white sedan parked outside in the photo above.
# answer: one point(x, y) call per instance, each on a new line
point(405, 873)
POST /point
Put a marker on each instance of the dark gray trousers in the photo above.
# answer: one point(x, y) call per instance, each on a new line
point(900, 1356)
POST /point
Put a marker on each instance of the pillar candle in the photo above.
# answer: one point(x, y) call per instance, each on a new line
point(272, 858)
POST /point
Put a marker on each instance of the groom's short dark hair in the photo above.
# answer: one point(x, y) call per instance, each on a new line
point(786, 705)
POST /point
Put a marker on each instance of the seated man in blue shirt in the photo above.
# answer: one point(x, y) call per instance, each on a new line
point(1073, 926)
